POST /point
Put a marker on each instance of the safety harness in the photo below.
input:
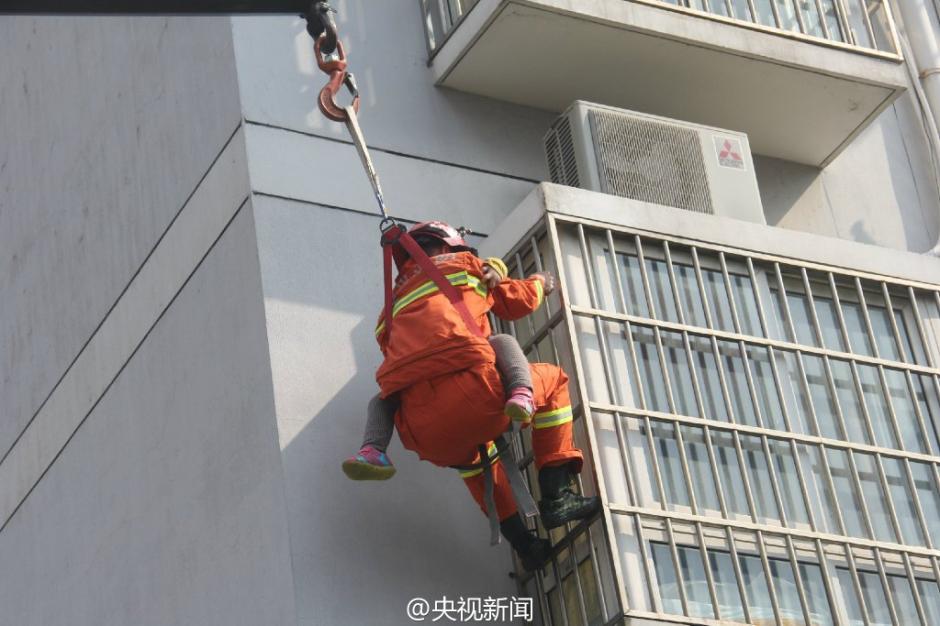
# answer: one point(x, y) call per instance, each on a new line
point(331, 59)
point(393, 234)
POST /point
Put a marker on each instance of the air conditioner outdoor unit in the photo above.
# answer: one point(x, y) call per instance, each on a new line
point(654, 159)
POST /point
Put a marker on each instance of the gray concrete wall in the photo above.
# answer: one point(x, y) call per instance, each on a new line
point(140, 477)
point(166, 506)
point(880, 190)
point(107, 126)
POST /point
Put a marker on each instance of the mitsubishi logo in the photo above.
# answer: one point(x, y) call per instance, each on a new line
point(729, 151)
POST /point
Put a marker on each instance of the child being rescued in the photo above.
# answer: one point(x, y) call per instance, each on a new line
point(442, 384)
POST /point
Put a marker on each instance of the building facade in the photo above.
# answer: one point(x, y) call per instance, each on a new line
point(191, 278)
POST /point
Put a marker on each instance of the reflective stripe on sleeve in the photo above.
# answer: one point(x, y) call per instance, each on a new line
point(556, 417)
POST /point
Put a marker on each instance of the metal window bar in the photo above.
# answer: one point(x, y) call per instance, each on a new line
point(676, 422)
point(555, 247)
point(536, 255)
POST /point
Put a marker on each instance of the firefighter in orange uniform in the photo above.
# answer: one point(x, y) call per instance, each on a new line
point(449, 391)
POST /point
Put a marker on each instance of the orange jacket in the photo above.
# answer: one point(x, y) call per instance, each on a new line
point(429, 337)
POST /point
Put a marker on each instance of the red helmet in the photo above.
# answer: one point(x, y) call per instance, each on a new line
point(443, 232)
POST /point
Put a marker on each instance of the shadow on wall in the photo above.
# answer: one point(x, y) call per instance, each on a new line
point(360, 550)
point(791, 193)
point(910, 169)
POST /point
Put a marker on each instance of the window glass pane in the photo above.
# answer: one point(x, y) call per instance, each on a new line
point(811, 18)
point(908, 349)
point(802, 319)
point(759, 476)
point(690, 295)
point(822, 399)
point(819, 607)
point(780, 329)
point(857, 24)
point(849, 401)
point(703, 480)
point(829, 323)
point(817, 485)
point(736, 377)
point(903, 598)
point(877, 406)
point(680, 377)
point(741, 10)
point(903, 501)
point(798, 404)
point(875, 600)
point(850, 503)
point(726, 586)
point(790, 492)
point(623, 375)
point(696, 586)
point(732, 483)
point(926, 484)
point(884, 335)
point(925, 389)
point(755, 586)
point(718, 299)
point(592, 599)
point(850, 601)
point(569, 586)
point(874, 497)
point(855, 326)
point(554, 606)
point(663, 300)
point(651, 372)
point(633, 291)
point(788, 21)
point(930, 599)
point(746, 305)
point(766, 388)
point(666, 577)
point(706, 368)
point(832, 20)
point(670, 465)
point(905, 411)
point(788, 598)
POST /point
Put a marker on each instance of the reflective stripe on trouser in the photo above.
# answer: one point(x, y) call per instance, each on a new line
point(445, 419)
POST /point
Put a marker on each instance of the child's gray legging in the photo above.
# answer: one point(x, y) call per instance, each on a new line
point(511, 363)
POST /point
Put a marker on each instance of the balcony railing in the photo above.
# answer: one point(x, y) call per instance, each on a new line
point(865, 24)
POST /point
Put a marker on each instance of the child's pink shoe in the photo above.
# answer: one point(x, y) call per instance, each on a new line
point(370, 463)
point(520, 406)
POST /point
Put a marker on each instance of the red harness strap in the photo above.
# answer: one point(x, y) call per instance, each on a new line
point(397, 233)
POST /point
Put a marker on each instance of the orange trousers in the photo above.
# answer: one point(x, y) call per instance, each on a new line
point(445, 419)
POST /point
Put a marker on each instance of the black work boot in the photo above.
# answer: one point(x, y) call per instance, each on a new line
point(560, 503)
point(532, 551)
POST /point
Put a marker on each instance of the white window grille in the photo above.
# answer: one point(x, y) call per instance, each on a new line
point(764, 431)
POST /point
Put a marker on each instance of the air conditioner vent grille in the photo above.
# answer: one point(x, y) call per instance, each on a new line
point(650, 161)
point(559, 150)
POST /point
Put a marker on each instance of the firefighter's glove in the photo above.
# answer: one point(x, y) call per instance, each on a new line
point(548, 281)
point(494, 272)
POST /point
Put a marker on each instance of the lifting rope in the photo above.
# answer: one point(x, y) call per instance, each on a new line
point(331, 59)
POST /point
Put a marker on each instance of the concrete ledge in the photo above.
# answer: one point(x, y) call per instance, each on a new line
point(215, 202)
point(313, 169)
point(877, 261)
